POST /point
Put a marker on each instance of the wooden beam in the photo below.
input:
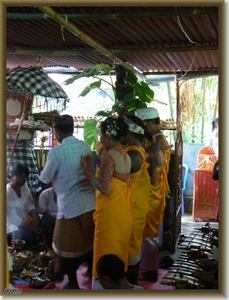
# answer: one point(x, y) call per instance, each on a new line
point(53, 52)
point(176, 12)
point(190, 74)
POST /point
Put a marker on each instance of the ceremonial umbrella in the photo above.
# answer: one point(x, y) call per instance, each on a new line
point(35, 81)
point(32, 81)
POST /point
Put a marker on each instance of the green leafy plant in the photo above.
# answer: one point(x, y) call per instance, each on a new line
point(129, 94)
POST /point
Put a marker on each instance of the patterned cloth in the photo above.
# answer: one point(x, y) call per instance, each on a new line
point(24, 153)
point(36, 81)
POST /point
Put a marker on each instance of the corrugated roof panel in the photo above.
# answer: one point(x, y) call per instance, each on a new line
point(116, 28)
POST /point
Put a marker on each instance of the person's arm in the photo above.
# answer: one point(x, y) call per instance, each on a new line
point(152, 170)
point(47, 174)
point(30, 206)
point(106, 166)
point(29, 226)
point(99, 148)
point(33, 213)
point(163, 143)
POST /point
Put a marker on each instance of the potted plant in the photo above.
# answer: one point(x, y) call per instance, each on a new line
point(130, 93)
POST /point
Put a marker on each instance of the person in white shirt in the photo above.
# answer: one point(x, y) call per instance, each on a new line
point(47, 208)
point(22, 220)
point(74, 227)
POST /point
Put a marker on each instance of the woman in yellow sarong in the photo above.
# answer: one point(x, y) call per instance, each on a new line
point(114, 203)
point(139, 176)
point(151, 119)
point(158, 189)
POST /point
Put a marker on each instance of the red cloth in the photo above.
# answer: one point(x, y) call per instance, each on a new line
point(24, 286)
point(49, 286)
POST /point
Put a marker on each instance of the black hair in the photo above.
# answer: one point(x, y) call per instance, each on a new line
point(147, 135)
point(116, 127)
point(20, 169)
point(64, 123)
point(136, 120)
point(112, 266)
point(215, 123)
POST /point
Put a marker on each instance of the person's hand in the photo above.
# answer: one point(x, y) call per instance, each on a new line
point(35, 222)
point(37, 230)
point(35, 218)
point(99, 148)
point(86, 161)
point(29, 226)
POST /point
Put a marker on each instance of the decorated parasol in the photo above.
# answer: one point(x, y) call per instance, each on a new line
point(30, 82)
point(35, 81)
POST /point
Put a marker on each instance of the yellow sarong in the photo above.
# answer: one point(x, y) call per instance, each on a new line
point(157, 204)
point(141, 203)
point(113, 222)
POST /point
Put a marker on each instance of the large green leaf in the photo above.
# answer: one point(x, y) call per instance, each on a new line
point(130, 78)
point(99, 69)
point(103, 113)
point(103, 69)
point(127, 99)
point(91, 133)
point(87, 89)
point(135, 104)
point(144, 92)
point(141, 95)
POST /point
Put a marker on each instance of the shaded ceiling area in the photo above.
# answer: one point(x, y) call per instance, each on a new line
point(147, 39)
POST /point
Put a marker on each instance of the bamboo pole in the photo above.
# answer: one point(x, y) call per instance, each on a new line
point(80, 34)
point(16, 139)
point(170, 105)
point(203, 108)
point(194, 11)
